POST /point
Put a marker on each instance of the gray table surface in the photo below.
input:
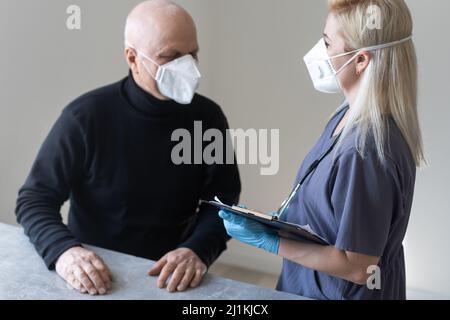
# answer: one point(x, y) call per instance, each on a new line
point(23, 275)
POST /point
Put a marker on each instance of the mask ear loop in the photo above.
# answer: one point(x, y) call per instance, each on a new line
point(346, 64)
point(369, 49)
point(374, 48)
point(140, 53)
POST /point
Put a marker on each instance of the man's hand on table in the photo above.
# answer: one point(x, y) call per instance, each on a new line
point(84, 271)
point(183, 265)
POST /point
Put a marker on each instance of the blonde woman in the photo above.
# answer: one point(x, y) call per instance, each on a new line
point(357, 197)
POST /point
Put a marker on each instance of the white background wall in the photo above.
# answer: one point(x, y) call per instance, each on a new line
point(251, 58)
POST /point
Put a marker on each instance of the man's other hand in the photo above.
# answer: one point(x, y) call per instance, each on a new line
point(183, 265)
point(84, 271)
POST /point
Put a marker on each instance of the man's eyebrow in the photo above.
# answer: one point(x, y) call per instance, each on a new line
point(326, 36)
point(168, 52)
point(174, 52)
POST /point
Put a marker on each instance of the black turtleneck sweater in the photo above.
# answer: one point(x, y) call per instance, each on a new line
point(110, 154)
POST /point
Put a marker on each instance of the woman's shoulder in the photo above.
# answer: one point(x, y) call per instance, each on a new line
point(396, 151)
point(397, 166)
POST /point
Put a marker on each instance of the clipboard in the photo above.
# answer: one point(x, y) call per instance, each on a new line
point(284, 229)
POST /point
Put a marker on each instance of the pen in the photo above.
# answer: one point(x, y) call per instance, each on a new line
point(286, 202)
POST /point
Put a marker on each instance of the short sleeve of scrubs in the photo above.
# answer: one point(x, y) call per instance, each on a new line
point(363, 196)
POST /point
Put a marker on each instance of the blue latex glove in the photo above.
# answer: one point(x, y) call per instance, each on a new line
point(250, 232)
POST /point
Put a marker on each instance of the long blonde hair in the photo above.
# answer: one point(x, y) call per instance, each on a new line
point(389, 83)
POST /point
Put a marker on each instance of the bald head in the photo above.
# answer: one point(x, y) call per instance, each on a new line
point(156, 22)
point(163, 31)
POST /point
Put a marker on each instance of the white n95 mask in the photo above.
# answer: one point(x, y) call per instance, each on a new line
point(177, 80)
point(321, 69)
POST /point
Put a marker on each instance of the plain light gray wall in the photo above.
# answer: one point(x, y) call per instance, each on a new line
point(251, 59)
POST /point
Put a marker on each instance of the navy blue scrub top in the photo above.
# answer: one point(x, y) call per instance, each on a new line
point(359, 205)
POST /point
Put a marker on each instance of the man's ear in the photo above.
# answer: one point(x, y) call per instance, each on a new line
point(131, 58)
point(362, 61)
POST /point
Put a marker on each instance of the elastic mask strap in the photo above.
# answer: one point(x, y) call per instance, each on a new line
point(345, 65)
point(140, 53)
point(372, 48)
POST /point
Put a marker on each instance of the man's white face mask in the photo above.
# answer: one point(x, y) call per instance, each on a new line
point(321, 69)
point(178, 79)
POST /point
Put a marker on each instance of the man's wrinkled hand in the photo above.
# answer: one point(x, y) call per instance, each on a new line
point(84, 271)
point(184, 267)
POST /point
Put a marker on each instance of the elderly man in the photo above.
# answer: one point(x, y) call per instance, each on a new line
point(110, 154)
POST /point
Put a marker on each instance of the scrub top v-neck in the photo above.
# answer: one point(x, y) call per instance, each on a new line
point(357, 204)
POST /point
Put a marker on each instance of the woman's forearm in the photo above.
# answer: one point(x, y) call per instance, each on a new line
point(328, 259)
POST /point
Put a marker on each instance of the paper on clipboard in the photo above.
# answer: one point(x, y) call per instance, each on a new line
point(247, 211)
